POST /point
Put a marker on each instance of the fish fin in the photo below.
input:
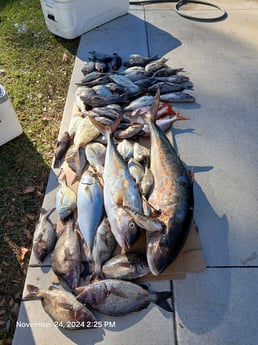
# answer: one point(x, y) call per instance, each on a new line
point(66, 306)
point(33, 293)
point(106, 129)
point(190, 173)
point(160, 299)
point(53, 287)
point(117, 292)
point(152, 114)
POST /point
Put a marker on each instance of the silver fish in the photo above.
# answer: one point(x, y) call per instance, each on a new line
point(88, 67)
point(165, 87)
point(139, 102)
point(166, 71)
point(125, 82)
point(146, 182)
point(140, 152)
point(76, 160)
point(62, 306)
point(44, 237)
point(103, 247)
point(156, 65)
point(127, 266)
point(177, 97)
point(119, 297)
point(129, 131)
point(90, 207)
point(119, 186)
point(172, 182)
point(100, 101)
point(102, 90)
point(85, 133)
point(66, 257)
point(139, 60)
point(125, 148)
point(65, 199)
point(95, 153)
point(136, 170)
point(92, 76)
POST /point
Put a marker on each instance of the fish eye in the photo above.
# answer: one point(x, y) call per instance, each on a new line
point(131, 225)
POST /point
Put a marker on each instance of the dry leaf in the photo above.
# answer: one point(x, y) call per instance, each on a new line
point(22, 252)
point(65, 58)
point(10, 223)
point(28, 189)
point(30, 216)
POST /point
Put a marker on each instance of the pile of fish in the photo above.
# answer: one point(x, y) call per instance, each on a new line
point(120, 190)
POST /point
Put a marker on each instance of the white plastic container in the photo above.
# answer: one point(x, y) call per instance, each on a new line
point(72, 18)
point(10, 126)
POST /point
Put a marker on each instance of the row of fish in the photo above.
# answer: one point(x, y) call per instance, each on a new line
point(123, 189)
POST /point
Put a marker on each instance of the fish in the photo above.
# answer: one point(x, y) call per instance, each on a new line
point(176, 78)
point(101, 66)
point(173, 183)
point(66, 257)
point(107, 111)
point(88, 67)
point(156, 65)
point(125, 148)
point(136, 170)
point(116, 62)
point(117, 297)
point(93, 76)
point(137, 75)
point(44, 237)
point(146, 182)
point(166, 71)
point(90, 207)
point(101, 56)
point(103, 247)
point(62, 306)
point(125, 82)
point(82, 90)
point(85, 133)
point(102, 90)
point(62, 146)
point(102, 80)
point(75, 122)
point(138, 60)
point(139, 102)
point(95, 153)
point(116, 88)
point(140, 152)
point(100, 101)
point(65, 199)
point(128, 266)
point(76, 160)
point(128, 132)
point(133, 69)
point(118, 186)
point(177, 97)
point(144, 83)
point(165, 87)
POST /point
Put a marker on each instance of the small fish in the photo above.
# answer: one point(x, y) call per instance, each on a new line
point(127, 266)
point(65, 199)
point(107, 111)
point(101, 56)
point(102, 80)
point(116, 62)
point(95, 153)
point(177, 97)
point(140, 152)
point(75, 123)
point(146, 182)
point(66, 257)
point(156, 65)
point(177, 79)
point(116, 88)
point(85, 133)
point(62, 306)
point(133, 69)
point(82, 90)
point(88, 67)
point(62, 146)
point(128, 132)
point(145, 82)
point(139, 102)
point(165, 87)
point(100, 101)
point(166, 72)
point(125, 82)
point(101, 66)
point(119, 297)
point(136, 170)
point(139, 60)
point(102, 90)
point(76, 160)
point(92, 76)
point(103, 247)
point(44, 237)
point(137, 75)
point(90, 207)
point(125, 148)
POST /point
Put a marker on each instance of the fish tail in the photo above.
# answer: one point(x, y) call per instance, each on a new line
point(151, 115)
point(33, 293)
point(160, 298)
point(106, 129)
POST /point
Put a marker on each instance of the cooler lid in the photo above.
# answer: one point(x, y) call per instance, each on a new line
point(3, 94)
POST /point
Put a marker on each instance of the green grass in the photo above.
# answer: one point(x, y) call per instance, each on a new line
point(36, 77)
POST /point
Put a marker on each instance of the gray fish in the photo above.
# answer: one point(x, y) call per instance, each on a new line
point(62, 146)
point(88, 67)
point(103, 79)
point(116, 62)
point(156, 65)
point(101, 56)
point(65, 199)
point(165, 87)
point(95, 153)
point(125, 82)
point(119, 297)
point(119, 186)
point(107, 111)
point(44, 237)
point(129, 131)
point(136, 170)
point(82, 91)
point(102, 90)
point(101, 66)
point(166, 71)
point(139, 102)
point(92, 76)
point(146, 182)
point(173, 183)
point(140, 152)
point(133, 69)
point(127, 266)
point(144, 83)
point(76, 160)
point(90, 207)
point(103, 247)
point(66, 257)
point(100, 101)
point(62, 306)
point(139, 60)
point(137, 75)
point(177, 97)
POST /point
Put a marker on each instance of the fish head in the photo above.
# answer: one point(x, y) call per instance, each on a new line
point(93, 294)
point(40, 250)
point(72, 275)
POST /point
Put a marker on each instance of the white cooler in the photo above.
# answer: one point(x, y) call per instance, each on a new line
point(72, 18)
point(9, 124)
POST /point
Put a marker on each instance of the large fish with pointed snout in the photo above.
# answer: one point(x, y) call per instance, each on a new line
point(172, 194)
point(119, 187)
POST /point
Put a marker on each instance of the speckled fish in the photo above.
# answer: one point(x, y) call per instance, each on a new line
point(156, 65)
point(125, 148)
point(76, 160)
point(116, 62)
point(126, 266)
point(66, 257)
point(90, 207)
point(139, 102)
point(85, 133)
point(65, 199)
point(119, 297)
point(177, 97)
point(95, 153)
point(139, 60)
point(88, 67)
point(44, 237)
point(172, 182)
point(103, 247)
point(119, 186)
point(62, 146)
point(62, 306)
